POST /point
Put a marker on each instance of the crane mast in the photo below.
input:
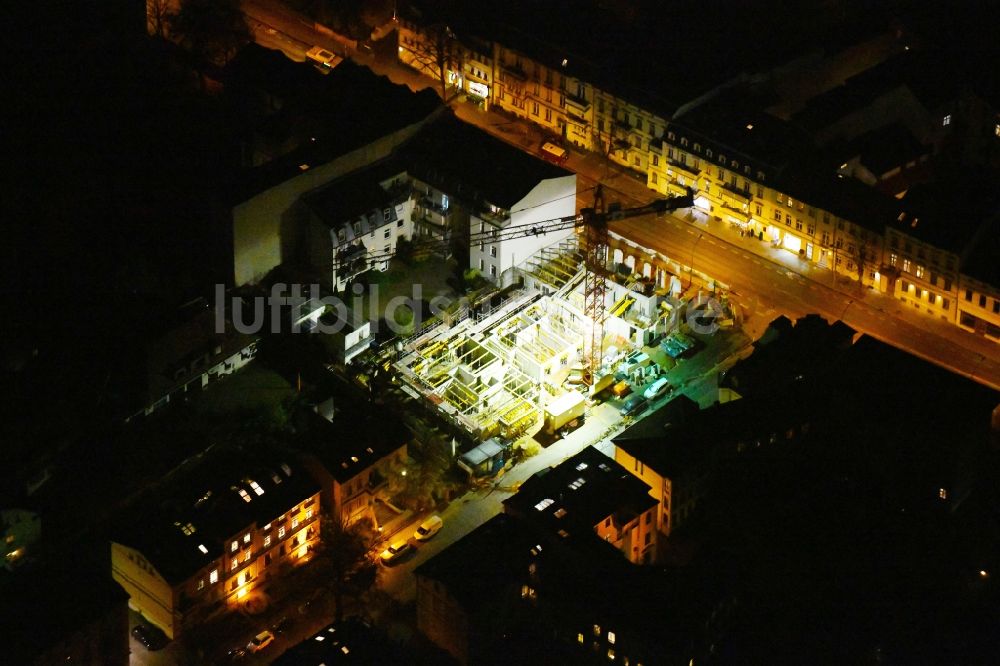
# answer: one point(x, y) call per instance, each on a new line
point(596, 242)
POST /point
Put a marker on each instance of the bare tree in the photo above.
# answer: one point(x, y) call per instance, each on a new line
point(435, 52)
point(863, 255)
point(158, 14)
point(213, 30)
point(343, 556)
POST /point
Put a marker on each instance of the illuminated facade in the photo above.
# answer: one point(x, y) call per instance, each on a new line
point(352, 454)
point(206, 546)
point(824, 218)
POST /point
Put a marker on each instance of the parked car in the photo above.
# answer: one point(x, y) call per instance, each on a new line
point(260, 641)
point(395, 552)
point(322, 59)
point(429, 528)
point(235, 654)
point(657, 389)
point(150, 636)
point(677, 344)
point(553, 153)
point(634, 404)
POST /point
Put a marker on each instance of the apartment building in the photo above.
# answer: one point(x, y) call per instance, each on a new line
point(513, 588)
point(795, 185)
point(497, 200)
point(675, 471)
point(591, 492)
point(213, 536)
point(357, 220)
point(353, 452)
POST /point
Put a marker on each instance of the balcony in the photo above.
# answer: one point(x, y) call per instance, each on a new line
point(741, 195)
point(514, 70)
point(688, 169)
point(576, 104)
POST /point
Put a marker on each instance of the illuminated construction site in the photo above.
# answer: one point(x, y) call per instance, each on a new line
point(492, 376)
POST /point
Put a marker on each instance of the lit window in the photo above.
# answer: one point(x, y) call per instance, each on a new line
point(295, 523)
point(267, 541)
point(943, 493)
point(246, 556)
point(202, 548)
point(267, 527)
point(544, 504)
point(213, 577)
point(201, 583)
point(245, 495)
point(920, 271)
point(234, 546)
point(309, 514)
point(946, 120)
point(579, 638)
point(236, 563)
point(256, 488)
point(246, 538)
point(576, 484)
point(281, 532)
point(560, 512)
point(611, 654)
point(582, 466)
point(597, 630)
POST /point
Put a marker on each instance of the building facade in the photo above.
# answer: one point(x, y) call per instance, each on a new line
point(216, 543)
point(821, 218)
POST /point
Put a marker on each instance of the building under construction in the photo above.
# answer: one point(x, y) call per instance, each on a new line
point(493, 374)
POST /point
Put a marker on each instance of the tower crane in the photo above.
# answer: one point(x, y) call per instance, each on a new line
point(594, 224)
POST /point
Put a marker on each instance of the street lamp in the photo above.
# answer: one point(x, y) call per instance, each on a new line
point(691, 264)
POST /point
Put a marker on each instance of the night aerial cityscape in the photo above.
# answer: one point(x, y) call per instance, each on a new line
point(627, 332)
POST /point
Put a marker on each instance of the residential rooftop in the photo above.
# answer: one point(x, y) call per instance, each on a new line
point(483, 563)
point(185, 525)
point(734, 121)
point(359, 435)
point(352, 641)
point(473, 166)
point(579, 493)
point(351, 197)
point(951, 214)
point(885, 148)
point(339, 120)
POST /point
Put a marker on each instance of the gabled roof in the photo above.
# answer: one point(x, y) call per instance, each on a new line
point(359, 436)
point(352, 108)
point(473, 166)
point(484, 562)
point(579, 493)
point(351, 197)
point(733, 121)
point(184, 525)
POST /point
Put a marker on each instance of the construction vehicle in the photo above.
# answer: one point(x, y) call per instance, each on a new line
point(564, 410)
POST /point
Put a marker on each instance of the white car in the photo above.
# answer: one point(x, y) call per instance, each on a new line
point(658, 388)
point(260, 641)
point(428, 528)
point(395, 552)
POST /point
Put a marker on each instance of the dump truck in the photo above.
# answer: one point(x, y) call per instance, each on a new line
point(564, 410)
